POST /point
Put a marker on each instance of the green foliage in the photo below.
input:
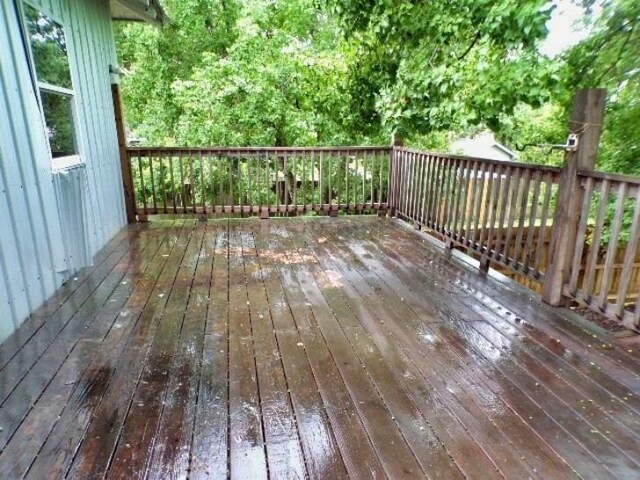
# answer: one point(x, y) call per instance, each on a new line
point(529, 127)
point(256, 73)
point(278, 84)
point(298, 72)
point(610, 58)
point(419, 67)
point(157, 58)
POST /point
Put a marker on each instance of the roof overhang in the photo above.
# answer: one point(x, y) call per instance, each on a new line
point(138, 11)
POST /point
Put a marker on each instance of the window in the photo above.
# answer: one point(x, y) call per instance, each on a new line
point(48, 46)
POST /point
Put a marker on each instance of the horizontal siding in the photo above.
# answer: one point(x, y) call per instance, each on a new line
point(34, 257)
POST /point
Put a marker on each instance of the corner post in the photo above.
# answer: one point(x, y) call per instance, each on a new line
point(125, 164)
point(586, 122)
point(394, 182)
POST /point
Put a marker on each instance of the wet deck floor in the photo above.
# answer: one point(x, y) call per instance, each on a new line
point(323, 348)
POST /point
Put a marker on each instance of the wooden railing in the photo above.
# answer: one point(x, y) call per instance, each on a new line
point(500, 210)
point(258, 180)
point(503, 212)
point(509, 215)
point(605, 270)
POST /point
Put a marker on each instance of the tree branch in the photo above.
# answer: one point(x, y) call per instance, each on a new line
point(619, 57)
point(476, 37)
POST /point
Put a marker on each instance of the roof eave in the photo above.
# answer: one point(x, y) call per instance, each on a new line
point(149, 11)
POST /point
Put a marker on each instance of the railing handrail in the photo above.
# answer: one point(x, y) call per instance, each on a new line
point(509, 163)
point(227, 150)
point(613, 177)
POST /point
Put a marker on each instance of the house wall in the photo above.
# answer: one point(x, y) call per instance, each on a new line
point(40, 211)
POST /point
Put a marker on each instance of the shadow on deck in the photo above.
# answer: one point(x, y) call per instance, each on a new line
point(326, 348)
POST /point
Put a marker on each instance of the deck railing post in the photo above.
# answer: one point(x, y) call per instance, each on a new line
point(125, 162)
point(393, 193)
point(586, 124)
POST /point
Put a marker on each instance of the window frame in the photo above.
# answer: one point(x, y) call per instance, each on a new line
point(65, 162)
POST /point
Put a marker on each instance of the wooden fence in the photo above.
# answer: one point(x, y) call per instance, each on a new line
point(258, 180)
point(604, 269)
point(486, 206)
point(501, 212)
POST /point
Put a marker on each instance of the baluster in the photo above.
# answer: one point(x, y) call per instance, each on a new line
point(500, 244)
point(550, 182)
point(202, 187)
point(581, 236)
point(513, 207)
point(523, 200)
point(440, 226)
point(461, 195)
point(590, 271)
point(163, 182)
point(468, 203)
point(486, 208)
point(477, 203)
point(173, 183)
point(532, 222)
point(211, 182)
point(432, 208)
point(453, 175)
point(496, 183)
point(426, 186)
point(153, 183)
point(612, 247)
point(142, 186)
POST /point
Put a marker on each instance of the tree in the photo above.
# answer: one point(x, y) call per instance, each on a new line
point(156, 58)
point(279, 83)
point(610, 57)
point(419, 67)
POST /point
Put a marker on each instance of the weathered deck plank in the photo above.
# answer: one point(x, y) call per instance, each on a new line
point(319, 348)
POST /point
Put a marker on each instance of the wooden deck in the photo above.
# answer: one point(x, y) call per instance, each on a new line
point(295, 348)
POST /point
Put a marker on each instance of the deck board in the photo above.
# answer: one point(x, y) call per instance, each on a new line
point(308, 348)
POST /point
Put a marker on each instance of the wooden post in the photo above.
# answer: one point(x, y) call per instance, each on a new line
point(586, 123)
point(125, 164)
point(394, 184)
point(484, 264)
